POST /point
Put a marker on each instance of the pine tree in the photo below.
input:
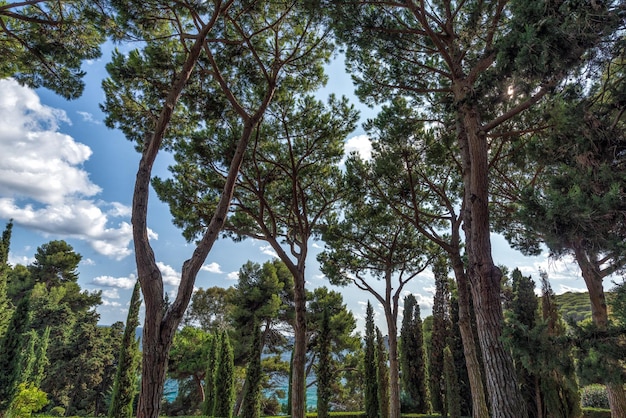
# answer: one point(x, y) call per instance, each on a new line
point(251, 407)
point(209, 378)
point(225, 379)
point(383, 374)
point(124, 386)
point(413, 359)
point(324, 368)
point(370, 370)
point(453, 391)
point(10, 352)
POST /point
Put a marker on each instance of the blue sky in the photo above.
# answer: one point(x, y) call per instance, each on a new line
point(64, 175)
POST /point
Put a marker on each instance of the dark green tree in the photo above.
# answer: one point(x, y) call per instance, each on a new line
point(125, 384)
point(452, 392)
point(324, 369)
point(370, 375)
point(439, 337)
point(6, 307)
point(413, 359)
point(382, 374)
point(55, 263)
point(210, 309)
point(224, 379)
point(212, 364)
point(251, 406)
point(44, 43)
point(200, 86)
point(12, 346)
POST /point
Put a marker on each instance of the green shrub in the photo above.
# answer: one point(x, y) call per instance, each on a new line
point(596, 413)
point(594, 396)
point(57, 411)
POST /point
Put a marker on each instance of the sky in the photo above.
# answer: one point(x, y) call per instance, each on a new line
point(65, 176)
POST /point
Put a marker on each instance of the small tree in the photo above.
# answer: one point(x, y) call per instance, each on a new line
point(124, 386)
point(28, 399)
point(370, 371)
point(251, 407)
point(383, 374)
point(413, 359)
point(224, 379)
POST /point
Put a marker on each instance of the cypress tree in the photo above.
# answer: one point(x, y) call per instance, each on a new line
point(6, 308)
point(41, 358)
point(10, 349)
point(324, 368)
point(209, 378)
point(383, 374)
point(370, 370)
point(453, 391)
point(251, 407)
point(225, 379)
point(124, 385)
point(413, 359)
point(439, 334)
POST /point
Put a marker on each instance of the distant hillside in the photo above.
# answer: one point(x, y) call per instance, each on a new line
point(576, 305)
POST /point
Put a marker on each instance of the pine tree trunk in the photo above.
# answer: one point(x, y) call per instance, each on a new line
point(504, 393)
point(155, 357)
point(474, 368)
point(593, 279)
point(298, 388)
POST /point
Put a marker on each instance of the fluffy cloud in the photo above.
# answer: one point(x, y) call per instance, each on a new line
point(43, 185)
point(170, 276)
point(212, 268)
point(361, 144)
point(118, 282)
point(233, 275)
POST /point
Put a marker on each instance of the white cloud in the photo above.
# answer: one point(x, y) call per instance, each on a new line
point(170, 276)
point(106, 302)
point(88, 117)
point(361, 144)
point(111, 293)
point(233, 275)
point(212, 268)
point(43, 185)
point(564, 289)
point(118, 282)
point(268, 250)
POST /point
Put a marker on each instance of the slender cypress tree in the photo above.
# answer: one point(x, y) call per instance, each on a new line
point(10, 349)
point(251, 407)
point(383, 374)
point(324, 368)
point(225, 379)
point(370, 370)
point(413, 359)
point(6, 308)
point(209, 378)
point(124, 387)
point(453, 391)
point(41, 358)
point(441, 325)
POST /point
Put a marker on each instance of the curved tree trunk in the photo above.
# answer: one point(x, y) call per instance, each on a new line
point(474, 368)
point(504, 394)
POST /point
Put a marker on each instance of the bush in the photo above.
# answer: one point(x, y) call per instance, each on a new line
point(596, 413)
point(29, 399)
point(57, 411)
point(594, 396)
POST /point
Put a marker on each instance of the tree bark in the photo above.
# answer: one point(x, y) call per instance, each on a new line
point(504, 394)
point(593, 276)
point(298, 382)
point(474, 368)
